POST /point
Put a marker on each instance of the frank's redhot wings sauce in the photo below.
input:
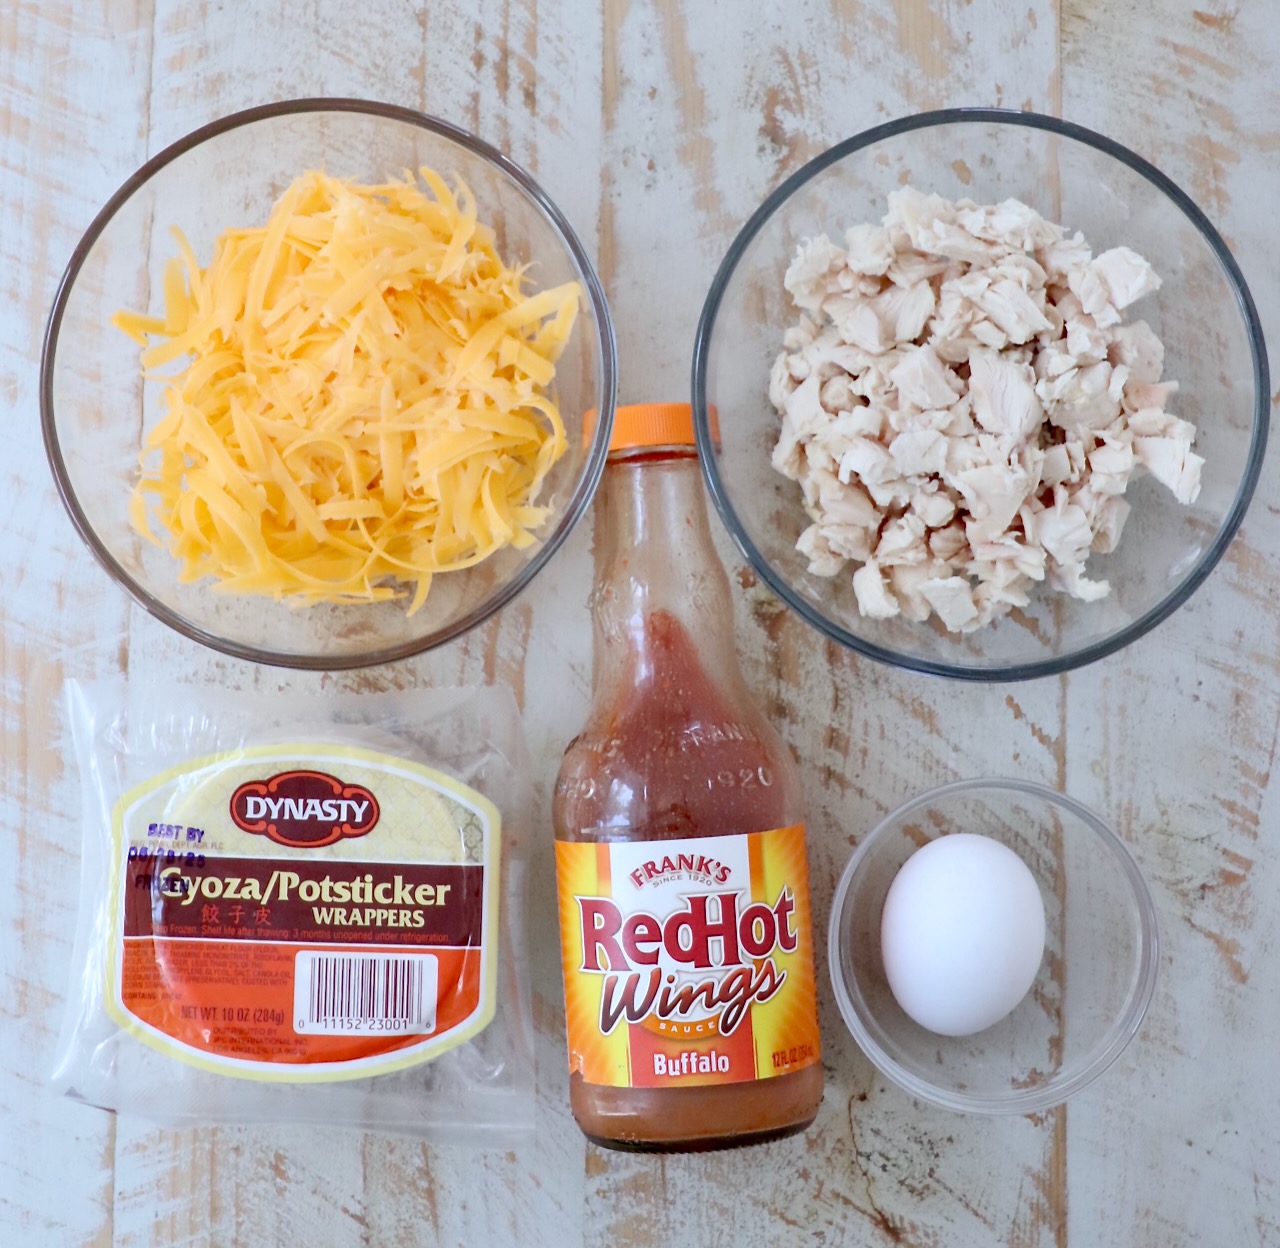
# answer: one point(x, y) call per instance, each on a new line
point(685, 915)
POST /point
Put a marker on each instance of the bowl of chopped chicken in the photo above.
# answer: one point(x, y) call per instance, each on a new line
point(991, 391)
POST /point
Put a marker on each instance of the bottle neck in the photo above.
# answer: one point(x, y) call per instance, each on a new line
point(654, 558)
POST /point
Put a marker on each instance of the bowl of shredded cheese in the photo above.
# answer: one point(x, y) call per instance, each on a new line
point(327, 383)
point(992, 391)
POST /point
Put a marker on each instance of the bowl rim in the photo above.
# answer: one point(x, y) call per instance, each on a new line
point(1121, 1032)
point(918, 663)
point(577, 503)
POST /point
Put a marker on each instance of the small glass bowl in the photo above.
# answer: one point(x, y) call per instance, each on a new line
point(97, 411)
point(1203, 312)
point(1094, 984)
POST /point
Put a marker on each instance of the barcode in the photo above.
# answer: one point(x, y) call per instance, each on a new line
point(357, 993)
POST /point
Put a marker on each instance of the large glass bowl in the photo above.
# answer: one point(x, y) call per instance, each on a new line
point(1095, 981)
point(1203, 312)
point(96, 409)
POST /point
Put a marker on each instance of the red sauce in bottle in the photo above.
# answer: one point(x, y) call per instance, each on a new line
point(685, 922)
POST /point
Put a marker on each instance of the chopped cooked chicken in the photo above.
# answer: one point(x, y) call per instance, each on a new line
point(1063, 254)
point(1138, 347)
point(919, 452)
point(1110, 467)
point(949, 543)
point(902, 541)
point(849, 541)
point(869, 250)
point(816, 261)
point(823, 561)
point(995, 493)
point(1085, 341)
point(868, 461)
point(1003, 394)
point(1126, 275)
point(922, 379)
point(855, 319)
point(874, 599)
point(1057, 465)
point(1171, 463)
point(847, 504)
point(1013, 311)
point(964, 410)
point(1063, 530)
point(1087, 284)
point(1084, 401)
point(1071, 580)
point(1011, 224)
point(907, 581)
point(952, 598)
point(934, 506)
point(857, 422)
point(904, 310)
point(1108, 524)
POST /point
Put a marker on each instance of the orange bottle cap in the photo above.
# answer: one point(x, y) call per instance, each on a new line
point(652, 424)
point(637, 425)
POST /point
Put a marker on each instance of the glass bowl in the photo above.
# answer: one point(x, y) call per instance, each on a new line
point(1095, 981)
point(96, 410)
point(1203, 312)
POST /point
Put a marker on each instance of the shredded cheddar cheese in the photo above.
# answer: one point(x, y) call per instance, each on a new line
point(363, 399)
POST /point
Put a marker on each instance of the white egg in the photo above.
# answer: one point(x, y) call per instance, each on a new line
point(962, 933)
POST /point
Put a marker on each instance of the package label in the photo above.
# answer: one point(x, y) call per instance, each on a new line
point(304, 912)
point(688, 961)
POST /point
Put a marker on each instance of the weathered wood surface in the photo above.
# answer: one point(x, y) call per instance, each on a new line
point(658, 126)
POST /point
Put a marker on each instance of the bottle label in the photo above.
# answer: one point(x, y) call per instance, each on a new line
point(303, 912)
point(688, 962)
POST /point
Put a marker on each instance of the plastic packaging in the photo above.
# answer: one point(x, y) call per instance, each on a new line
point(297, 908)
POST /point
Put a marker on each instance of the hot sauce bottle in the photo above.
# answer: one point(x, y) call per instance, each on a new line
point(685, 914)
